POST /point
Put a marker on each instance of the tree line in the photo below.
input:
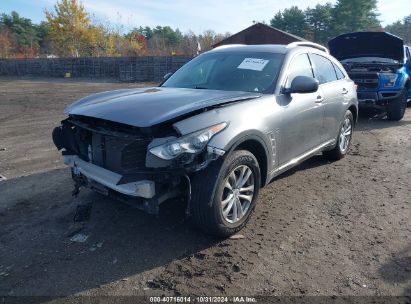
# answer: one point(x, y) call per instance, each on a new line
point(70, 31)
point(323, 22)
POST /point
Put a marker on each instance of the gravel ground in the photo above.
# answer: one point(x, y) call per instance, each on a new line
point(341, 228)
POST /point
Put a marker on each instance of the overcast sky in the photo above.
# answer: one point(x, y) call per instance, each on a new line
point(219, 15)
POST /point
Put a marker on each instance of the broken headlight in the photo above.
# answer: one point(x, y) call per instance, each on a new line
point(191, 143)
point(389, 79)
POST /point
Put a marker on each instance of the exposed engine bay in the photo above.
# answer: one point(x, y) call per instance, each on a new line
point(105, 155)
point(373, 76)
point(370, 67)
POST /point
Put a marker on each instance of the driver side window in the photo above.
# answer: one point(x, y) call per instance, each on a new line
point(300, 66)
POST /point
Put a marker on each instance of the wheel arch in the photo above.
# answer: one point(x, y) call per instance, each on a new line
point(258, 147)
point(405, 82)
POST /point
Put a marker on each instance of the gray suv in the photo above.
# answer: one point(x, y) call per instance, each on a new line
point(215, 132)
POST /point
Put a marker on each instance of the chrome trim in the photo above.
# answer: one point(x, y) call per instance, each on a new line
point(142, 188)
point(302, 157)
point(273, 141)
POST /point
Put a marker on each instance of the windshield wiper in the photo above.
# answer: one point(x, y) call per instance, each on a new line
point(201, 88)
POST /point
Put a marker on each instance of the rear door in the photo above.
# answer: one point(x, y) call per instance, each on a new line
point(302, 118)
point(336, 91)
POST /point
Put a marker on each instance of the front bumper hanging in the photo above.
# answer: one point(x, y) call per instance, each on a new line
point(109, 179)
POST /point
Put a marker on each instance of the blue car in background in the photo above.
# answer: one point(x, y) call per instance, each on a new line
point(380, 65)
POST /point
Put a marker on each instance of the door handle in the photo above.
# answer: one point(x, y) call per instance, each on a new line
point(344, 91)
point(319, 99)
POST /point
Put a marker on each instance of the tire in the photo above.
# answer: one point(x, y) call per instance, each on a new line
point(396, 108)
point(209, 190)
point(344, 138)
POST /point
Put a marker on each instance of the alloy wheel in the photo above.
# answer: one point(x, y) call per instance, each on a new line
point(345, 135)
point(237, 194)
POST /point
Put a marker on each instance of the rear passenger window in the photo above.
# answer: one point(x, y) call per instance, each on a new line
point(323, 69)
point(340, 74)
point(300, 66)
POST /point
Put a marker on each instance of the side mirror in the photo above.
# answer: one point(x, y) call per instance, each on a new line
point(167, 76)
point(303, 84)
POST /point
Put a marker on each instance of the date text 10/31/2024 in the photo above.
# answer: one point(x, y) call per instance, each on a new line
point(203, 299)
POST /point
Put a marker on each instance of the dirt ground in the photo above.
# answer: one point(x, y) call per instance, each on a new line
point(341, 228)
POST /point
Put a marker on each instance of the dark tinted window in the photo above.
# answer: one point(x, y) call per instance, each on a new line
point(230, 71)
point(300, 66)
point(323, 69)
point(407, 51)
point(340, 74)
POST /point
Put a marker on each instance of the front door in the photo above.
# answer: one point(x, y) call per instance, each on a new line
point(302, 118)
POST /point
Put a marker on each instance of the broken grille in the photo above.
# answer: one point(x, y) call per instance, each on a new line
point(118, 154)
point(115, 147)
point(134, 155)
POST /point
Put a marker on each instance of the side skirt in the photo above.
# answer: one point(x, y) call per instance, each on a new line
point(301, 158)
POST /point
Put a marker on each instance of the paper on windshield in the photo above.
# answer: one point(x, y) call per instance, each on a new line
point(255, 64)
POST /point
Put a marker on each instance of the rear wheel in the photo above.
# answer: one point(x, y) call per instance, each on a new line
point(225, 193)
point(344, 138)
point(396, 108)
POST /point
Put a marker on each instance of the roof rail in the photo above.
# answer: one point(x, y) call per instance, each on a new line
point(308, 44)
point(225, 46)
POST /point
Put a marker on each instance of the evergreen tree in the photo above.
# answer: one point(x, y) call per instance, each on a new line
point(319, 23)
point(354, 15)
point(401, 29)
point(291, 20)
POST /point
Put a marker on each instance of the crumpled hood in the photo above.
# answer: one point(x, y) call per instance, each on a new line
point(367, 44)
point(146, 107)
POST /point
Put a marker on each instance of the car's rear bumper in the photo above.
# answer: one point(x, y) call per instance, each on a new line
point(141, 188)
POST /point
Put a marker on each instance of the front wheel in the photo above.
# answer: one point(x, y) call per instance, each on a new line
point(344, 138)
point(396, 108)
point(225, 193)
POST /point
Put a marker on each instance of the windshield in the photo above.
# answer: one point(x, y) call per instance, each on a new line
point(229, 71)
point(369, 60)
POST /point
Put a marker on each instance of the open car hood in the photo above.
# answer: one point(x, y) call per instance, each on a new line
point(367, 44)
point(145, 107)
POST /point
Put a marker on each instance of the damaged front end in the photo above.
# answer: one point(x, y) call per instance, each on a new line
point(141, 166)
point(378, 84)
